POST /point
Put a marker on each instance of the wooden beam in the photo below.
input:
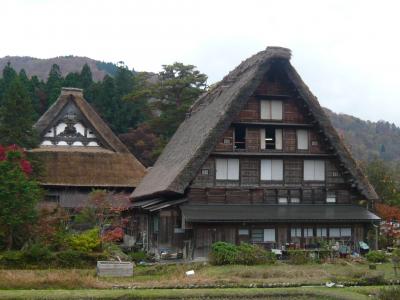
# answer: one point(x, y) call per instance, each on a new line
point(261, 123)
point(267, 154)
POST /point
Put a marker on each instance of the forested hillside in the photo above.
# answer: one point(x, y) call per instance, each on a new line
point(68, 64)
point(368, 140)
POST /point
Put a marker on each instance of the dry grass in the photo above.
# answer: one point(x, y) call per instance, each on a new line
point(174, 276)
point(62, 279)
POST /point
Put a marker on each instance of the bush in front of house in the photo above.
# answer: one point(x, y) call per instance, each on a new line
point(12, 259)
point(139, 256)
point(376, 256)
point(223, 253)
point(298, 257)
point(37, 254)
point(301, 257)
point(87, 241)
point(77, 259)
point(253, 255)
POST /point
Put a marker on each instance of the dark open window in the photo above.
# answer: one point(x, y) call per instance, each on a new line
point(240, 137)
point(270, 138)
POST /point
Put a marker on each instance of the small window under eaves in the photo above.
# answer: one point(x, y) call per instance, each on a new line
point(240, 137)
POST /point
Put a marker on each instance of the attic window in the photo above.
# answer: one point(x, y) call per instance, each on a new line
point(271, 138)
point(205, 171)
point(240, 137)
point(271, 110)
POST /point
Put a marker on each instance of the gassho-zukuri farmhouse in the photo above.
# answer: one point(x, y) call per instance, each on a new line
point(256, 160)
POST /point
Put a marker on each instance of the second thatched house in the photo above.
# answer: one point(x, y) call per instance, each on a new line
point(80, 153)
point(256, 160)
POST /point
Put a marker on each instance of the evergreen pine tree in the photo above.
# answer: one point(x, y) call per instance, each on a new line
point(9, 75)
point(86, 78)
point(17, 117)
point(54, 84)
point(72, 80)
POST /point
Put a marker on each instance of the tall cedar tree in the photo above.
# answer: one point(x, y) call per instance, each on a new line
point(9, 75)
point(170, 93)
point(19, 194)
point(54, 84)
point(85, 77)
point(178, 87)
point(17, 117)
point(108, 98)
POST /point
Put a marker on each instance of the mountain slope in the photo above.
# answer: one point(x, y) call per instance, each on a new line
point(68, 64)
point(368, 140)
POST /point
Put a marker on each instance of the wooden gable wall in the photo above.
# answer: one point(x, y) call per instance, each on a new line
point(249, 188)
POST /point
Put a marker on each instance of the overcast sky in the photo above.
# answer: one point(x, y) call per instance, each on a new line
point(348, 52)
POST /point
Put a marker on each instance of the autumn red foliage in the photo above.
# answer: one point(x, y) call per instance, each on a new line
point(16, 154)
point(391, 217)
point(387, 212)
point(114, 235)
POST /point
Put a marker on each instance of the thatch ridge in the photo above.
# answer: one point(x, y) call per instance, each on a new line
point(213, 113)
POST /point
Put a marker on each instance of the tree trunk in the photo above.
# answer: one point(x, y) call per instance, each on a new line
point(9, 242)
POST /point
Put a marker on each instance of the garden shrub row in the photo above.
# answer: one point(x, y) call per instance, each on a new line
point(300, 257)
point(42, 257)
point(223, 253)
point(376, 256)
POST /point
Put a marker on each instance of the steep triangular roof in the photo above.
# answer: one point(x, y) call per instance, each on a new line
point(76, 96)
point(212, 114)
point(110, 166)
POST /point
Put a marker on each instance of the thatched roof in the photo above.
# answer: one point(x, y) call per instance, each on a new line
point(113, 166)
point(213, 113)
point(76, 96)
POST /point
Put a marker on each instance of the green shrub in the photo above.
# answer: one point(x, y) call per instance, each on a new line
point(12, 259)
point(391, 293)
point(38, 254)
point(299, 257)
point(138, 256)
point(223, 253)
point(253, 255)
point(77, 259)
point(87, 241)
point(376, 257)
point(71, 259)
point(114, 251)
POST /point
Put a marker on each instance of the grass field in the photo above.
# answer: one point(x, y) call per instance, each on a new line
point(173, 276)
point(306, 293)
